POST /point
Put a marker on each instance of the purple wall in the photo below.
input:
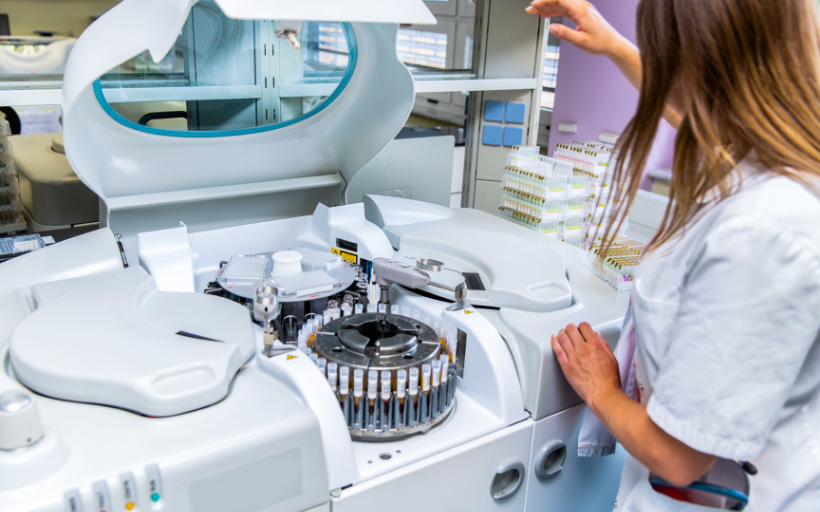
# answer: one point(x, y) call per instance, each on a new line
point(593, 94)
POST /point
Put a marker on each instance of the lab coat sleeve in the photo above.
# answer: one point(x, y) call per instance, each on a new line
point(749, 314)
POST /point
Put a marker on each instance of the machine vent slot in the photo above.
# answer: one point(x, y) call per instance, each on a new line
point(473, 281)
point(347, 246)
point(196, 336)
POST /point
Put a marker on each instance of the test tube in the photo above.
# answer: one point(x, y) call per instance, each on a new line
point(401, 385)
point(382, 308)
point(314, 357)
point(357, 309)
point(311, 331)
point(395, 309)
point(322, 364)
point(426, 371)
point(344, 381)
point(384, 411)
point(332, 370)
point(372, 394)
point(319, 320)
point(358, 388)
point(371, 308)
point(436, 372)
point(405, 311)
point(445, 362)
point(327, 317)
point(444, 393)
point(301, 343)
point(452, 344)
point(413, 388)
point(347, 309)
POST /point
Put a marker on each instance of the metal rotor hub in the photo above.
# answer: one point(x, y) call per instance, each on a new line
point(378, 341)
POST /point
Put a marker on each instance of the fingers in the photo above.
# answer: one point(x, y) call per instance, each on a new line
point(586, 331)
point(569, 35)
point(575, 335)
point(559, 351)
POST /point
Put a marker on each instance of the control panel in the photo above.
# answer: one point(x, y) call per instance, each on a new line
point(122, 493)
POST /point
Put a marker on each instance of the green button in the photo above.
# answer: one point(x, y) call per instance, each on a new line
point(155, 497)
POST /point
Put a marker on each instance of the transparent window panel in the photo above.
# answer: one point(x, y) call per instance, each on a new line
point(226, 75)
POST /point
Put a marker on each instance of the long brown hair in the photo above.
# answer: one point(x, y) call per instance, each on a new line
point(745, 75)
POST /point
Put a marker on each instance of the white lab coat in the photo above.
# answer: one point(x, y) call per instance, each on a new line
point(728, 355)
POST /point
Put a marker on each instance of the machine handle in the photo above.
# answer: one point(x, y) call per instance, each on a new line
point(507, 480)
point(550, 460)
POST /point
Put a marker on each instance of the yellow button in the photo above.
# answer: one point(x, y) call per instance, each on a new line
point(129, 506)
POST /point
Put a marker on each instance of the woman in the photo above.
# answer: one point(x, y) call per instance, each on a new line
point(726, 302)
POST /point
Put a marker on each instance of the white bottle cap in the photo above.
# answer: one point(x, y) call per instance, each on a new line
point(371, 308)
point(382, 308)
point(322, 364)
point(19, 420)
point(395, 309)
point(357, 309)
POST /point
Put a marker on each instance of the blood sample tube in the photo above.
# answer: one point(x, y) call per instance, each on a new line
point(322, 364)
point(384, 411)
point(358, 388)
point(372, 394)
point(332, 370)
point(413, 391)
point(401, 389)
point(436, 372)
point(344, 384)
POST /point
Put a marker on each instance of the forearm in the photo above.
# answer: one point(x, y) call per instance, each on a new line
point(664, 455)
point(627, 58)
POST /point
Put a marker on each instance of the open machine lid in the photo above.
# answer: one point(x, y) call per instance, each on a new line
point(260, 114)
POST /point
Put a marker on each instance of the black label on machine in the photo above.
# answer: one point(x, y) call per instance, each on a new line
point(473, 281)
point(347, 246)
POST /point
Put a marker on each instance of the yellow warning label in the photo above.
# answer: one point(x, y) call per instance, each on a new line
point(467, 311)
point(351, 257)
point(291, 357)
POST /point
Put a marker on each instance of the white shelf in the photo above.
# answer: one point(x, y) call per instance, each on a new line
point(198, 93)
point(306, 90)
point(428, 85)
point(30, 97)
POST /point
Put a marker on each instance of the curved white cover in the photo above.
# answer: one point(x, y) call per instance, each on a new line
point(371, 11)
point(116, 161)
point(114, 341)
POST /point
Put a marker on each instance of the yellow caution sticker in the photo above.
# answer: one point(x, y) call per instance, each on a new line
point(350, 257)
point(291, 357)
point(467, 311)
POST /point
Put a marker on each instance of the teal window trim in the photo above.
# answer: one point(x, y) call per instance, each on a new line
point(351, 66)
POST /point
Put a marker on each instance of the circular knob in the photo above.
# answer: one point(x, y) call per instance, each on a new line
point(19, 420)
point(286, 262)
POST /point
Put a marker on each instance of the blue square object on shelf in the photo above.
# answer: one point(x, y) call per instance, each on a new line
point(512, 136)
point(491, 136)
point(494, 111)
point(515, 112)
